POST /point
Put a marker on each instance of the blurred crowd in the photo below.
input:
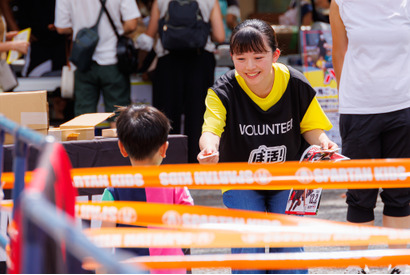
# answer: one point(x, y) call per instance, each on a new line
point(54, 24)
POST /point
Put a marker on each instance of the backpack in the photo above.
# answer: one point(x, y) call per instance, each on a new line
point(84, 45)
point(183, 27)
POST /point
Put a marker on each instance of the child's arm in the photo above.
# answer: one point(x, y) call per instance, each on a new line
point(182, 196)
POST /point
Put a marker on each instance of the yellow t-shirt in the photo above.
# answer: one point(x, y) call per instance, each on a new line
point(215, 114)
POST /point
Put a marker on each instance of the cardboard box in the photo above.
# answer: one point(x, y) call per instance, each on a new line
point(28, 109)
point(79, 128)
point(109, 133)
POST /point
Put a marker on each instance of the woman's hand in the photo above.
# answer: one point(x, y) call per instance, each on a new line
point(319, 137)
point(20, 46)
point(208, 156)
point(10, 35)
point(209, 144)
point(328, 144)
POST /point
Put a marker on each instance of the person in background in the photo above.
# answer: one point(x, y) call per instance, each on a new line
point(374, 100)
point(142, 136)
point(6, 43)
point(104, 75)
point(322, 45)
point(48, 48)
point(260, 112)
point(231, 16)
point(182, 78)
point(290, 17)
point(320, 11)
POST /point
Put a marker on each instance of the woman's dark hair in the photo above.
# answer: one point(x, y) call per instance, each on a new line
point(249, 35)
point(142, 130)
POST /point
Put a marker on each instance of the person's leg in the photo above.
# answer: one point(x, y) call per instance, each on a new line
point(116, 88)
point(167, 89)
point(360, 140)
point(361, 204)
point(86, 91)
point(199, 73)
point(363, 137)
point(276, 203)
point(397, 222)
point(396, 144)
point(246, 200)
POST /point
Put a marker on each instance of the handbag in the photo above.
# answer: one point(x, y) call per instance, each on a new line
point(8, 79)
point(84, 45)
point(127, 54)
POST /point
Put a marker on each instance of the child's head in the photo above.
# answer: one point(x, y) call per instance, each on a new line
point(142, 130)
point(253, 35)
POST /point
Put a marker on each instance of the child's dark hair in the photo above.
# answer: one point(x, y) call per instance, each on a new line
point(249, 35)
point(142, 130)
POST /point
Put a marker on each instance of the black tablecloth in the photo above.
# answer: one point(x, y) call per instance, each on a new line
point(99, 152)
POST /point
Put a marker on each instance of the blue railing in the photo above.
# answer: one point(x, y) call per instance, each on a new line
point(37, 211)
point(22, 137)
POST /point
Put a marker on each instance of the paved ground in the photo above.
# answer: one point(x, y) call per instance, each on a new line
point(332, 207)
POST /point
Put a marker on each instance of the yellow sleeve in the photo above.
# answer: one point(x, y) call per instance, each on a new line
point(315, 118)
point(215, 114)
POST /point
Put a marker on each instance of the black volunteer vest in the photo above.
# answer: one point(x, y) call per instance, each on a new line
point(253, 135)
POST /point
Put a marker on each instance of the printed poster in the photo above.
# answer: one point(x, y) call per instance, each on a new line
point(317, 63)
point(306, 202)
point(22, 35)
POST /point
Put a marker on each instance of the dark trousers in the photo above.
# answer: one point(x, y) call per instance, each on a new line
point(180, 86)
point(108, 80)
point(376, 136)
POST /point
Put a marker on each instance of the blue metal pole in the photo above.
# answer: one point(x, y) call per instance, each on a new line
point(56, 224)
point(24, 134)
point(2, 138)
point(19, 169)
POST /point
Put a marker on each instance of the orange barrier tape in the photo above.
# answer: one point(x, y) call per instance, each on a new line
point(7, 179)
point(390, 173)
point(170, 215)
point(223, 227)
point(255, 227)
point(305, 260)
point(6, 204)
point(242, 236)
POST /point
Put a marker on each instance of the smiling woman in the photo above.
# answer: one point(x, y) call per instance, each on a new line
point(261, 111)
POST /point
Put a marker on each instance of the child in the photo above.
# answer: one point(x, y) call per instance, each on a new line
point(142, 136)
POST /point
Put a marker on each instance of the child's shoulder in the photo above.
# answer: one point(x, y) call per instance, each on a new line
point(108, 194)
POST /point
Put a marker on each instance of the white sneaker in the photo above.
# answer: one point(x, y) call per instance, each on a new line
point(398, 269)
point(355, 269)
